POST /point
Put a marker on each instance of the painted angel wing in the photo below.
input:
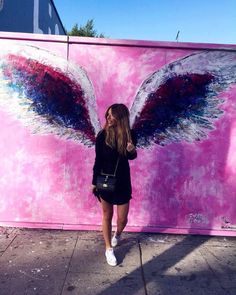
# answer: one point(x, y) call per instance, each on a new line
point(47, 93)
point(181, 100)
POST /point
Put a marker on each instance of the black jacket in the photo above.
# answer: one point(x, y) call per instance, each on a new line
point(106, 159)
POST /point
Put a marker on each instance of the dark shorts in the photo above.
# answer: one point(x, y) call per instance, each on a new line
point(115, 199)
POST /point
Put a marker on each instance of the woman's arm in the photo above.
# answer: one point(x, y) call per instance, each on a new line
point(98, 157)
point(131, 147)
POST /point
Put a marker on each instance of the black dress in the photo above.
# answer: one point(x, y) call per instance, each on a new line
point(105, 160)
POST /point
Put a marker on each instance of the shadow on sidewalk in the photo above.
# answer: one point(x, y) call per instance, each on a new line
point(155, 272)
point(67, 262)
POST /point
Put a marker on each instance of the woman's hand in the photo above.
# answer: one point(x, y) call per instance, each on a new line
point(130, 147)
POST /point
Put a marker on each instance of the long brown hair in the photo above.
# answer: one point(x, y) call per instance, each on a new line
point(119, 135)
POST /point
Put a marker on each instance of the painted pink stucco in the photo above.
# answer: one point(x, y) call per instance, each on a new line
point(179, 188)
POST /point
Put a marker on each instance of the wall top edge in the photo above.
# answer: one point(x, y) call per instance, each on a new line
point(114, 42)
point(32, 37)
point(147, 43)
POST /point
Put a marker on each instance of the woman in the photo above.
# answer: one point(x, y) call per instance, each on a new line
point(114, 144)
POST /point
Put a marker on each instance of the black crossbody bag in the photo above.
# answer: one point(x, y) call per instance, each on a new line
point(107, 182)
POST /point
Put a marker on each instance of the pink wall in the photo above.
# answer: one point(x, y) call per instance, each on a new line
point(184, 176)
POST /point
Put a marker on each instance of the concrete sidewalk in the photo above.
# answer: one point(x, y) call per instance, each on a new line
point(55, 262)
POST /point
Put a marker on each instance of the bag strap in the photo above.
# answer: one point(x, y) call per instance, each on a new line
point(117, 162)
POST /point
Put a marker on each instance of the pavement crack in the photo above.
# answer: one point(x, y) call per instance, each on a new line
point(141, 267)
point(212, 270)
point(68, 269)
point(225, 267)
point(8, 245)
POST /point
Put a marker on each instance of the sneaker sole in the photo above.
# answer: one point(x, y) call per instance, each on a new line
point(111, 264)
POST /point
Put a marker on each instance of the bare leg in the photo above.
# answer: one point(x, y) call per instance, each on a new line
point(107, 214)
point(122, 217)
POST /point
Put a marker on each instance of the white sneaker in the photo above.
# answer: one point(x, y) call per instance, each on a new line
point(115, 240)
point(110, 256)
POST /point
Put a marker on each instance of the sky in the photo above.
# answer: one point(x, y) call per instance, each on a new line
point(198, 21)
